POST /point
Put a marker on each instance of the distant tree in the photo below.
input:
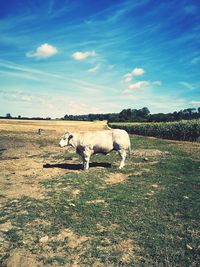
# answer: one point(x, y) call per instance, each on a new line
point(8, 116)
point(198, 110)
point(158, 117)
point(191, 110)
point(125, 114)
point(19, 117)
point(134, 113)
point(143, 112)
point(114, 117)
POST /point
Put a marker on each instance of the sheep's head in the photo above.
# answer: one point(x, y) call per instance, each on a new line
point(66, 140)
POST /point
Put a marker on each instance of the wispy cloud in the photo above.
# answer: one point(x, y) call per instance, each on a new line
point(14, 69)
point(111, 67)
point(187, 85)
point(83, 55)
point(159, 83)
point(94, 69)
point(195, 103)
point(21, 71)
point(47, 104)
point(16, 95)
point(117, 11)
point(138, 85)
point(141, 85)
point(54, 12)
point(19, 75)
point(43, 51)
point(195, 60)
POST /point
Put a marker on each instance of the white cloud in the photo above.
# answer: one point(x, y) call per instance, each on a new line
point(43, 51)
point(138, 71)
point(94, 69)
point(135, 72)
point(83, 55)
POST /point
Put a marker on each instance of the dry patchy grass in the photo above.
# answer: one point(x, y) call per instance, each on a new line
point(115, 178)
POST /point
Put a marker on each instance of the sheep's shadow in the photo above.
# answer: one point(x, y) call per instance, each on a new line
point(69, 166)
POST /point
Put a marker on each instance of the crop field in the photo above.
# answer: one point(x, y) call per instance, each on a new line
point(55, 214)
point(185, 130)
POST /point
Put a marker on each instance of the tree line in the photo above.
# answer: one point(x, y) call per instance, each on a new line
point(139, 115)
point(19, 117)
point(126, 115)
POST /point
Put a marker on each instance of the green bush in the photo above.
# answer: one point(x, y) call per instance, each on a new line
point(181, 130)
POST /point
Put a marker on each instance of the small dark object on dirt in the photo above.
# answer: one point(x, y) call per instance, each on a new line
point(40, 131)
point(47, 165)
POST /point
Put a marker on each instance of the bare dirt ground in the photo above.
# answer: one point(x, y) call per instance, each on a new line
point(23, 154)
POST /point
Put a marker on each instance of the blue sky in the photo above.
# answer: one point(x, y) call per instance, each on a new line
point(85, 56)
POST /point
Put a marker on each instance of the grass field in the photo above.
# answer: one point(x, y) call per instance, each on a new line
point(55, 214)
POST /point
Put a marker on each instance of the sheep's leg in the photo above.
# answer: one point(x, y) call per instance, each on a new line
point(86, 157)
point(122, 154)
point(86, 163)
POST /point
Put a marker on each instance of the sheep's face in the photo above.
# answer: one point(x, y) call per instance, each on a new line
point(65, 140)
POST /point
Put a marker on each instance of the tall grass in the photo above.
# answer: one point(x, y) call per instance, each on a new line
point(181, 130)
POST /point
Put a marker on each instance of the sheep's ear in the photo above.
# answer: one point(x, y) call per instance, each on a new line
point(70, 137)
